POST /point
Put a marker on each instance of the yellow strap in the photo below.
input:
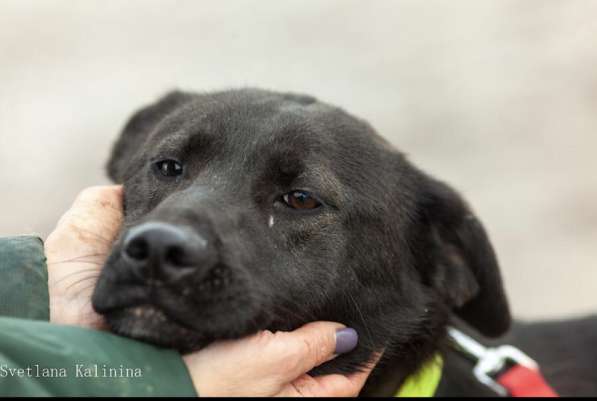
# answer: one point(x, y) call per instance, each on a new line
point(424, 382)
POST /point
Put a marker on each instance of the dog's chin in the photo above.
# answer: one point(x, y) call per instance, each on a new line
point(149, 324)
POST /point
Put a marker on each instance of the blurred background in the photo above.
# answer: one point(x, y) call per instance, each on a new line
point(499, 98)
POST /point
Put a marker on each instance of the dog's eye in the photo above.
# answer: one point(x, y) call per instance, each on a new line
point(169, 167)
point(301, 200)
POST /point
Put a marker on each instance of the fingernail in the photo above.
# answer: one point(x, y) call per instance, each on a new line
point(346, 340)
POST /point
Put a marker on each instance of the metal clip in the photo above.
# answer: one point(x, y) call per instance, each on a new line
point(489, 361)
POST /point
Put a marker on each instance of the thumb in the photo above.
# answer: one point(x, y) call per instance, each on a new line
point(312, 345)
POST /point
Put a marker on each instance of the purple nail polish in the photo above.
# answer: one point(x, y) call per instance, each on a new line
point(346, 340)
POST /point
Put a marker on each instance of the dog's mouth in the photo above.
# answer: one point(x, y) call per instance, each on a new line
point(178, 317)
point(151, 324)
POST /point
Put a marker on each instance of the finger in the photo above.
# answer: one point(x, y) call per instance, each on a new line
point(311, 345)
point(357, 380)
point(98, 207)
point(89, 226)
point(105, 202)
point(334, 385)
point(105, 196)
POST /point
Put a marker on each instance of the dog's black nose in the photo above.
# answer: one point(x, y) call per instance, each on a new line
point(167, 252)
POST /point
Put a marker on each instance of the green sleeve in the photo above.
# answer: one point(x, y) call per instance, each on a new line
point(23, 278)
point(39, 358)
point(44, 359)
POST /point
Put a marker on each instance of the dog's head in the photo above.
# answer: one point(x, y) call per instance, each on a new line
point(250, 209)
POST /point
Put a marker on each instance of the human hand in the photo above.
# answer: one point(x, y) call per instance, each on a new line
point(276, 364)
point(76, 251)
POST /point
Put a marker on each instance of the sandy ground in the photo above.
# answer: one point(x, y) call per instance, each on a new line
point(497, 97)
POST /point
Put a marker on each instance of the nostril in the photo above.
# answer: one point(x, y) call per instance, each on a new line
point(137, 249)
point(176, 256)
point(167, 253)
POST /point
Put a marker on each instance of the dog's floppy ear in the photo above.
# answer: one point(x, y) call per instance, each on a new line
point(464, 268)
point(136, 130)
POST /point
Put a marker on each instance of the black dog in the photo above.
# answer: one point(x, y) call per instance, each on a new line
point(250, 209)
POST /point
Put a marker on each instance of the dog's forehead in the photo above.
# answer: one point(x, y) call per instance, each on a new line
point(250, 123)
point(265, 118)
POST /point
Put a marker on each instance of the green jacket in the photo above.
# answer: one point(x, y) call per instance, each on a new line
point(42, 359)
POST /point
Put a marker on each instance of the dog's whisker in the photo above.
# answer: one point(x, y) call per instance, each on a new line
point(84, 280)
point(70, 275)
point(97, 237)
point(278, 308)
point(80, 259)
point(358, 309)
point(83, 290)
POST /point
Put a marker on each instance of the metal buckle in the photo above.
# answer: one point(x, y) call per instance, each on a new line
point(489, 361)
